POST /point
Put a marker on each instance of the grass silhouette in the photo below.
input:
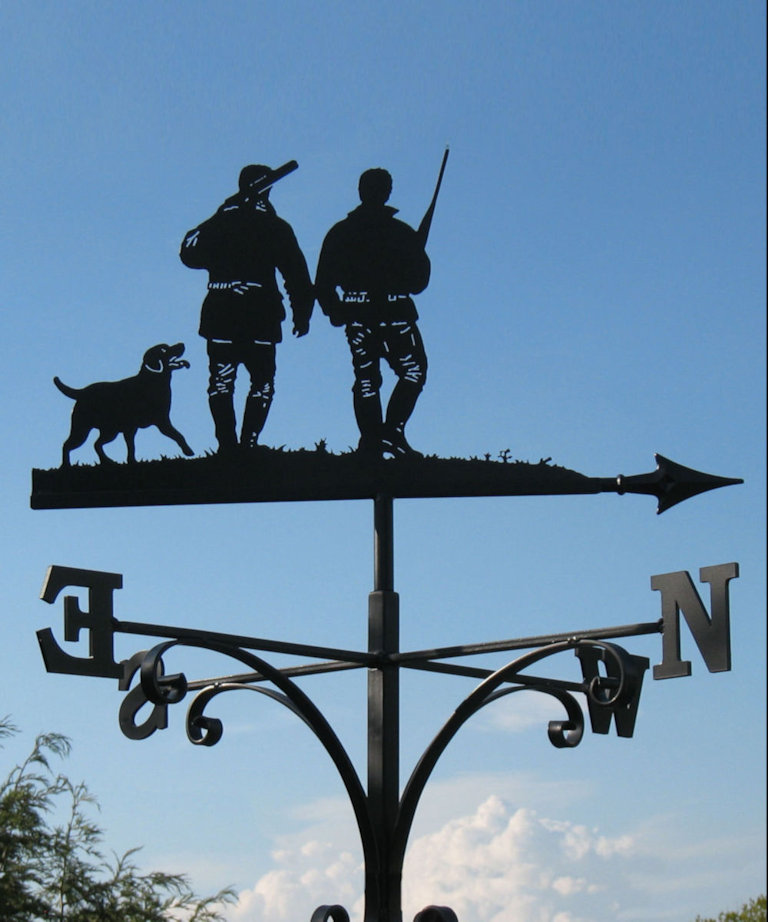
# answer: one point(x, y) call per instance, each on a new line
point(279, 474)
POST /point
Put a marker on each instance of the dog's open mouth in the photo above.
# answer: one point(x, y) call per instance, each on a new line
point(174, 359)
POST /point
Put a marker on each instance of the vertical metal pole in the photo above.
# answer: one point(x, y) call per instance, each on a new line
point(383, 884)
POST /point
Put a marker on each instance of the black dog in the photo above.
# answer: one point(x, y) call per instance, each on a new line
point(125, 406)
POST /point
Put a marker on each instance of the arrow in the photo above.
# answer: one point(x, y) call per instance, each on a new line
point(672, 483)
point(282, 476)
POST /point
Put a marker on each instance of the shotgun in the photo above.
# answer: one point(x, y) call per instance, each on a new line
point(266, 182)
point(426, 221)
point(261, 184)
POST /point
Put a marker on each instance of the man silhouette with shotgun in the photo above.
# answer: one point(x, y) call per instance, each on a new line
point(370, 265)
point(241, 246)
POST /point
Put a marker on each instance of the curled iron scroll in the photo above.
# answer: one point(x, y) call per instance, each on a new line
point(203, 730)
point(135, 700)
point(436, 914)
point(158, 687)
point(563, 734)
point(622, 674)
point(333, 913)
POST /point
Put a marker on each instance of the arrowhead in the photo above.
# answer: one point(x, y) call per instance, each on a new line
point(672, 483)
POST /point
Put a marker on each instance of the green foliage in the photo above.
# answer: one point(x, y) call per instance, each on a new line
point(57, 870)
point(753, 911)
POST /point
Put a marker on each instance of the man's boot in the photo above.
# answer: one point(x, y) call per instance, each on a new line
point(254, 416)
point(368, 417)
point(399, 409)
point(223, 413)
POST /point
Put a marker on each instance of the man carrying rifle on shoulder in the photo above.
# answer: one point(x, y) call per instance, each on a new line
point(370, 265)
point(241, 246)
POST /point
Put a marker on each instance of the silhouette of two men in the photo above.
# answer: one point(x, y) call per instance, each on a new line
point(370, 265)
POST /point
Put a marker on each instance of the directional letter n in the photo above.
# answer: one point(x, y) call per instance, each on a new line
point(711, 633)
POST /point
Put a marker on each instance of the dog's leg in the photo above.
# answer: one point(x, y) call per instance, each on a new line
point(101, 441)
point(167, 428)
point(77, 435)
point(130, 444)
point(65, 450)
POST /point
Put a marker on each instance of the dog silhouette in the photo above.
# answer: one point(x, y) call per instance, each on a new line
point(125, 406)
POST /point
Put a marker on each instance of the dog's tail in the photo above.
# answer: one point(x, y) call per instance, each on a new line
point(66, 389)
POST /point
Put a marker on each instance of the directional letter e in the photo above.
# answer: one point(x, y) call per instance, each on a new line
point(97, 620)
point(712, 634)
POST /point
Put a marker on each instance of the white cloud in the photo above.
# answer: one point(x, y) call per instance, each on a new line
point(496, 864)
point(568, 885)
point(499, 863)
point(446, 799)
point(314, 874)
point(505, 865)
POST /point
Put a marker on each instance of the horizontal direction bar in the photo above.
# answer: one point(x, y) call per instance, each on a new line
point(290, 672)
point(526, 643)
point(351, 659)
point(470, 672)
point(248, 678)
point(520, 679)
point(193, 635)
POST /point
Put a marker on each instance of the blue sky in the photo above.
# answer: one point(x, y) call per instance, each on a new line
point(597, 295)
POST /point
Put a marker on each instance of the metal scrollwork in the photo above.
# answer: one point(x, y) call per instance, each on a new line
point(615, 686)
point(203, 730)
point(620, 685)
point(616, 694)
point(333, 913)
point(162, 690)
point(563, 734)
point(207, 731)
point(158, 687)
point(611, 681)
point(135, 700)
point(436, 914)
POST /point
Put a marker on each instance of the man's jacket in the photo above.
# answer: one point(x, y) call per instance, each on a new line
point(241, 244)
point(377, 261)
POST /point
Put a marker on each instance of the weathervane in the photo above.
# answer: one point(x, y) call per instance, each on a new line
point(371, 264)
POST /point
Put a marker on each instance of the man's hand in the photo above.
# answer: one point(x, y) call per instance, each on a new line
point(301, 329)
point(337, 311)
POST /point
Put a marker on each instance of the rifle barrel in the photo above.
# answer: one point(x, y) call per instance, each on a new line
point(426, 221)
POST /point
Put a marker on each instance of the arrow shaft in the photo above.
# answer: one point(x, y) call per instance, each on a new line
point(284, 477)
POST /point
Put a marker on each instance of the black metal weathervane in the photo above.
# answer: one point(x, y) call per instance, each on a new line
point(371, 264)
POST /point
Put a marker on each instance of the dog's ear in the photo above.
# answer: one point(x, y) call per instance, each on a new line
point(154, 358)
